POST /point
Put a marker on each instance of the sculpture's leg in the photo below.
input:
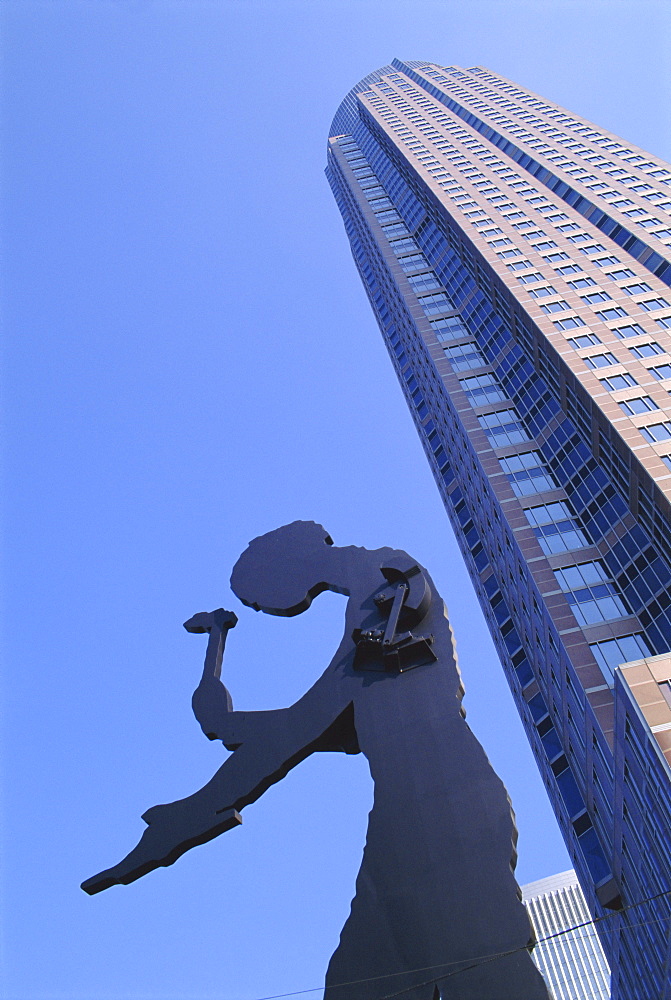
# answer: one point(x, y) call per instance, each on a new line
point(515, 975)
point(383, 987)
point(369, 962)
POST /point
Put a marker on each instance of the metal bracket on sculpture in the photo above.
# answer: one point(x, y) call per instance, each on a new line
point(406, 602)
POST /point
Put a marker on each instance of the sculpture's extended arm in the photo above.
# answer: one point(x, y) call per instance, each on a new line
point(284, 739)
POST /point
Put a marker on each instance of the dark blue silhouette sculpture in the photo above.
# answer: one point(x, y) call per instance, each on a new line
point(437, 912)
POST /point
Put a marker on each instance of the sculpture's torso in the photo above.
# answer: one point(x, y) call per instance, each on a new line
point(440, 841)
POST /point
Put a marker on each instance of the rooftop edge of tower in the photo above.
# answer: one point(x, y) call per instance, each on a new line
point(346, 114)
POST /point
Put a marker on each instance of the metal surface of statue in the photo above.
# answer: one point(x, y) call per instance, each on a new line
point(436, 912)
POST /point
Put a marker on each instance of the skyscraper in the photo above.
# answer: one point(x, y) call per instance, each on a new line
point(571, 960)
point(518, 261)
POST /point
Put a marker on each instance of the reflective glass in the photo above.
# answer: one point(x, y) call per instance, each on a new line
point(527, 474)
point(555, 527)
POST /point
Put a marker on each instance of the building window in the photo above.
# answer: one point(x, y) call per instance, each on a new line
point(613, 652)
point(590, 592)
point(620, 275)
point(434, 304)
point(482, 389)
point(464, 356)
point(665, 688)
point(395, 230)
point(596, 297)
point(503, 428)
point(570, 269)
point(414, 262)
point(585, 340)
point(555, 527)
point(661, 371)
point(422, 282)
point(651, 304)
point(595, 248)
point(388, 216)
point(401, 247)
point(528, 279)
point(450, 328)
point(527, 474)
point(615, 313)
point(605, 261)
point(657, 432)
point(552, 258)
point(579, 282)
point(615, 382)
point(546, 245)
point(642, 404)
point(640, 286)
point(646, 350)
point(630, 330)
point(553, 307)
point(649, 223)
point(570, 323)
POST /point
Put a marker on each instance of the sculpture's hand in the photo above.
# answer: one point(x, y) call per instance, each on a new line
point(172, 829)
point(213, 707)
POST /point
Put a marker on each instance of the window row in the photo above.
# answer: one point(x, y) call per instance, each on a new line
point(556, 528)
point(591, 593)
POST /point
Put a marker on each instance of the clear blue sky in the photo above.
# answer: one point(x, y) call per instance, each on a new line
point(191, 361)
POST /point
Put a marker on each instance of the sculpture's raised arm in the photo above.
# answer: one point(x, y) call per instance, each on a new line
point(212, 703)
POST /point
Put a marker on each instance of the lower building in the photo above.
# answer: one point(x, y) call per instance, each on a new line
point(568, 952)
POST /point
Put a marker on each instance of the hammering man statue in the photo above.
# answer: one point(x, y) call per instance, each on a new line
point(437, 914)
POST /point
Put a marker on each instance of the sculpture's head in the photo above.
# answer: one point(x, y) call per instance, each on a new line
point(281, 572)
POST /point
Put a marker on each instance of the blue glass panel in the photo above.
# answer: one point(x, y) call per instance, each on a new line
point(570, 793)
point(593, 854)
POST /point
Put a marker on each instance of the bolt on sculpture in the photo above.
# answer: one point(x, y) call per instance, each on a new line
point(437, 912)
